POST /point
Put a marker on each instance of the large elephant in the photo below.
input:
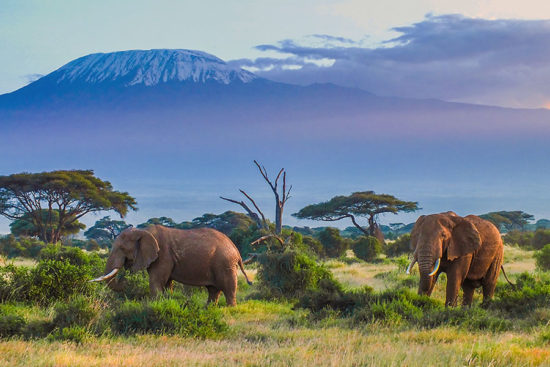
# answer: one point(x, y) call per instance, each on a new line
point(468, 249)
point(198, 257)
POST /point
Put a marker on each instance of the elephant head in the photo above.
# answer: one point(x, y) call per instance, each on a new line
point(438, 237)
point(133, 249)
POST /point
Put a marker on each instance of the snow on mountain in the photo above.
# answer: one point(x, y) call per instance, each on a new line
point(150, 67)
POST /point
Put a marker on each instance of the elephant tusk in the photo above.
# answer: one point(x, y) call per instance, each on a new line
point(411, 266)
point(105, 277)
point(436, 267)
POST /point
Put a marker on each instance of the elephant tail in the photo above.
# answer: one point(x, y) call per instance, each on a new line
point(242, 269)
point(505, 276)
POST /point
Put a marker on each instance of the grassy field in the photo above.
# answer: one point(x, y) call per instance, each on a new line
point(265, 333)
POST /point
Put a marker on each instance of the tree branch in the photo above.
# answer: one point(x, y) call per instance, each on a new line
point(255, 206)
point(251, 214)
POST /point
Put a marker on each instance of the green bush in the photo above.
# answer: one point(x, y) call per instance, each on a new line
point(77, 311)
point(289, 274)
point(333, 243)
point(521, 300)
point(367, 248)
point(521, 239)
point(400, 246)
point(314, 245)
point(75, 334)
point(135, 285)
point(331, 294)
point(541, 238)
point(543, 258)
point(169, 315)
point(11, 321)
point(60, 273)
point(10, 246)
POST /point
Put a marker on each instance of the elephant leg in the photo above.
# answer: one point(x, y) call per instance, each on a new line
point(213, 294)
point(489, 282)
point(230, 286)
point(157, 282)
point(455, 278)
point(468, 293)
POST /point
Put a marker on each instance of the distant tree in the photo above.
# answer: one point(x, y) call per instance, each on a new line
point(364, 204)
point(334, 245)
point(163, 221)
point(541, 238)
point(70, 194)
point(542, 223)
point(225, 222)
point(508, 220)
point(106, 230)
point(25, 225)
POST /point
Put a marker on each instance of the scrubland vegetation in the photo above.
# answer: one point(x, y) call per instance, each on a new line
point(320, 311)
point(320, 296)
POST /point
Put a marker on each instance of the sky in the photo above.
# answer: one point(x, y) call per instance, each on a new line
point(478, 51)
point(494, 52)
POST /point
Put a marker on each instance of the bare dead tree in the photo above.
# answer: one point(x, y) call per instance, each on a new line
point(262, 223)
point(280, 200)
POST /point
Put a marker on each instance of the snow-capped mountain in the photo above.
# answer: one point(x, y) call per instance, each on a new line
point(149, 68)
point(189, 125)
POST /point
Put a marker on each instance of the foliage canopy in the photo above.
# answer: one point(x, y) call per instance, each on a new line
point(70, 193)
point(362, 204)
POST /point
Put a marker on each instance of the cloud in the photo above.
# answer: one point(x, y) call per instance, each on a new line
point(452, 57)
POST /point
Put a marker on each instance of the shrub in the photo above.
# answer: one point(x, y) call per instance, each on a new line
point(289, 273)
point(527, 295)
point(11, 322)
point(77, 311)
point(519, 238)
point(135, 285)
point(314, 245)
point(60, 273)
point(333, 243)
point(400, 246)
point(10, 246)
point(75, 334)
point(367, 248)
point(168, 316)
point(543, 258)
point(331, 294)
point(541, 238)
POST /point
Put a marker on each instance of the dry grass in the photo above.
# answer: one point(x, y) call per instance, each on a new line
point(260, 336)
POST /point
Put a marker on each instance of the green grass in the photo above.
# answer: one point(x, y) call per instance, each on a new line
point(268, 333)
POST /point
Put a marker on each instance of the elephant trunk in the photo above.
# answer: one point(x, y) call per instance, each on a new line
point(114, 263)
point(426, 260)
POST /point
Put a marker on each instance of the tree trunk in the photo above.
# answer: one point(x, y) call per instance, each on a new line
point(278, 217)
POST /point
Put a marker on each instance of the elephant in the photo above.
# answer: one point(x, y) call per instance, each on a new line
point(468, 249)
point(199, 257)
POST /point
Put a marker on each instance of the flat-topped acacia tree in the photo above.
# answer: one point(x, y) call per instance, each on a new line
point(359, 204)
point(53, 201)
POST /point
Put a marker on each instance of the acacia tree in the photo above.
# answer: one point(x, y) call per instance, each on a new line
point(509, 220)
point(106, 229)
point(25, 226)
point(69, 193)
point(281, 197)
point(359, 204)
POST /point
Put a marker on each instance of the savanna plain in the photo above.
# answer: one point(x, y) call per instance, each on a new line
point(259, 332)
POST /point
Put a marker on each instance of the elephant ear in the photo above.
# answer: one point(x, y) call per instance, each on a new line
point(147, 250)
point(465, 239)
point(416, 232)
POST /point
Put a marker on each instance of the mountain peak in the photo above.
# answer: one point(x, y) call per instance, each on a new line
point(149, 67)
